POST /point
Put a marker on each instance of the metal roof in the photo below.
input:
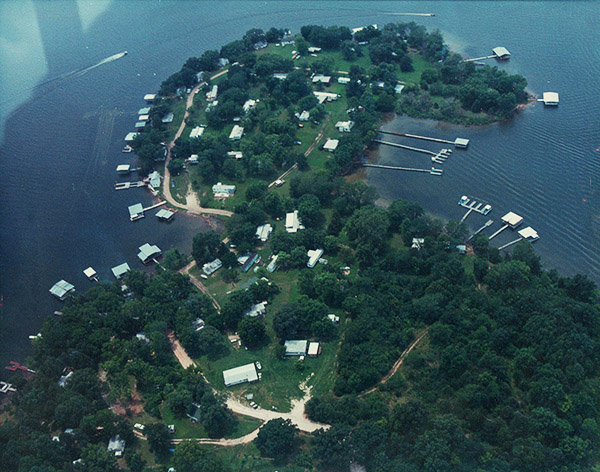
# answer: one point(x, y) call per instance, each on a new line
point(241, 374)
point(136, 209)
point(89, 272)
point(512, 219)
point(144, 111)
point(61, 288)
point(528, 233)
point(550, 97)
point(120, 270)
point(148, 251)
point(197, 132)
point(295, 347)
point(501, 51)
point(164, 214)
point(313, 349)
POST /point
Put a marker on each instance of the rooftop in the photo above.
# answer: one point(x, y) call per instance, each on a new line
point(163, 214)
point(148, 251)
point(236, 133)
point(136, 209)
point(550, 98)
point(331, 144)
point(197, 132)
point(120, 270)
point(296, 347)
point(529, 233)
point(501, 51)
point(241, 374)
point(512, 219)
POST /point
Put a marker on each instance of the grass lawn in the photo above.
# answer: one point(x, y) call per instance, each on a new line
point(247, 459)
point(179, 187)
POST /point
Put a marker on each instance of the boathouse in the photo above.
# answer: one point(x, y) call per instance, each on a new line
point(149, 97)
point(501, 53)
point(512, 219)
point(130, 137)
point(148, 252)
point(550, 98)
point(123, 169)
point(461, 143)
point(165, 215)
point(136, 212)
point(529, 234)
point(120, 270)
point(61, 289)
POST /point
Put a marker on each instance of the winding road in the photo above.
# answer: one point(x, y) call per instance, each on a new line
point(199, 285)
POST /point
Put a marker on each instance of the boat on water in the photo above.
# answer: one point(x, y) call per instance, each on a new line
point(486, 209)
point(463, 200)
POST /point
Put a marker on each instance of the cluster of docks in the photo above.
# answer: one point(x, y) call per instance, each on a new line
point(510, 220)
point(437, 157)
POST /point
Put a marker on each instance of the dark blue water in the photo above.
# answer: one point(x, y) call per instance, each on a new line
point(61, 140)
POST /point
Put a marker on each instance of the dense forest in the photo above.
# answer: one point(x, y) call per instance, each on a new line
point(503, 371)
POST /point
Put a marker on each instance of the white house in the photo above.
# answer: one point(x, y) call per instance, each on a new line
point(313, 257)
point(211, 96)
point(238, 375)
point(220, 189)
point(331, 145)
point(263, 232)
point(326, 96)
point(197, 132)
point(296, 347)
point(211, 267)
point(236, 133)
point(292, 222)
point(344, 126)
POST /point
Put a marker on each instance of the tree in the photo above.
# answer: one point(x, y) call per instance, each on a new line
point(190, 456)
point(159, 438)
point(174, 260)
point(277, 438)
point(176, 166)
point(252, 331)
point(211, 342)
point(309, 211)
point(206, 247)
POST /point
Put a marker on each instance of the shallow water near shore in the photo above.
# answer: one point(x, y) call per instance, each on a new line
point(61, 140)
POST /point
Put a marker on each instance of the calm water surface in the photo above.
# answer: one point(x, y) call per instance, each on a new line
point(61, 134)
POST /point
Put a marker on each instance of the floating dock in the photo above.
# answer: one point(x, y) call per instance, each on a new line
point(510, 220)
point(91, 274)
point(473, 205)
point(432, 171)
point(527, 234)
point(458, 142)
point(500, 53)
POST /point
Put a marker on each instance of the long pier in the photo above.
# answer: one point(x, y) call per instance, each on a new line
point(155, 206)
point(403, 146)
point(126, 185)
point(487, 223)
point(510, 244)
point(414, 136)
point(432, 171)
point(498, 232)
point(482, 58)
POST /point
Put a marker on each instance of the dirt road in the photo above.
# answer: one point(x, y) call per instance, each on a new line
point(199, 285)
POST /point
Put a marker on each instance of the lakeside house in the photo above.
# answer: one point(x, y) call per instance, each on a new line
point(321, 79)
point(154, 179)
point(241, 374)
point(236, 133)
point(296, 347)
point(197, 132)
point(292, 222)
point(211, 267)
point(148, 252)
point(331, 144)
point(61, 289)
point(212, 94)
point(120, 270)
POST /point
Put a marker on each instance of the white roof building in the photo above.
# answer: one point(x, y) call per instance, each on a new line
point(211, 267)
point(197, 132)
point(333, 318)
point(145, 117)
point(193, 159)
point(236, 133)
point(123, 169)
point(130, 137)
point(235, 154)
point(512, 219)
point(249, 105)
point(165, 215)
point(148, 252)
point(313, 257)
point(263, 232)
point(61, 289)
point(120, 270)
point(343, 80)
point(144, 111)
point(223, 189)
point(296, 347)
point(116, 445)
point(314, 349)
point(304, 116)
point(280, 76)
point(418, 243)
point(154, 178)
point(313, 49)
point(238, 375)
point(501, 52)
point(550, 98)
point(356, 30)
point(149, 97)
point(326, 96)
point(258, 309)
point(344, 126)
point(529, 234)
point(211, 96)
point(320, 78)
point(292, 222)
point(461, 143)
point(331, 145)
point(90, 273)
point(136, 211)
point(398, 88)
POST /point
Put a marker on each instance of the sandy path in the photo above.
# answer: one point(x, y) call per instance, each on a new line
point(192, 204)
point(397, 364)
point(199, 285)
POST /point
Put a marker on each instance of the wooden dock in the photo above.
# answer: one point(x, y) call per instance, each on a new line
point(432, 171)
point(154, 206)
point(498, 232)
point(126, 185)
point(415, 136)
point(510, 244)
point(482, 58)
point(403, 146)
point(487, 223)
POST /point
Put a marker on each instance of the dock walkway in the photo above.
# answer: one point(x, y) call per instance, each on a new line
point(415, 136)
point(432, 171)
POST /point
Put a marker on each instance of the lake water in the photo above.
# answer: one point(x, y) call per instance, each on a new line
point(61, 133)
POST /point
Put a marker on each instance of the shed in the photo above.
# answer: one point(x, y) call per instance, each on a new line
point(120, 270)
point(148, 251)
point(331, 145)
point(461, 143)
point(296, 347)
point(136, 211)
point(512, 219)
point(313, 257)
point(501, 52)
point(238, 375)
point(550, 98)
point(197, 132)
point(165, 215)
point(314, 349)
point(116, 445)
point(123, 169)
point(211, 267)
point(236, 133)
point(61, 289)
point(150, 97)
point(529, 234)
point(130, 137)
